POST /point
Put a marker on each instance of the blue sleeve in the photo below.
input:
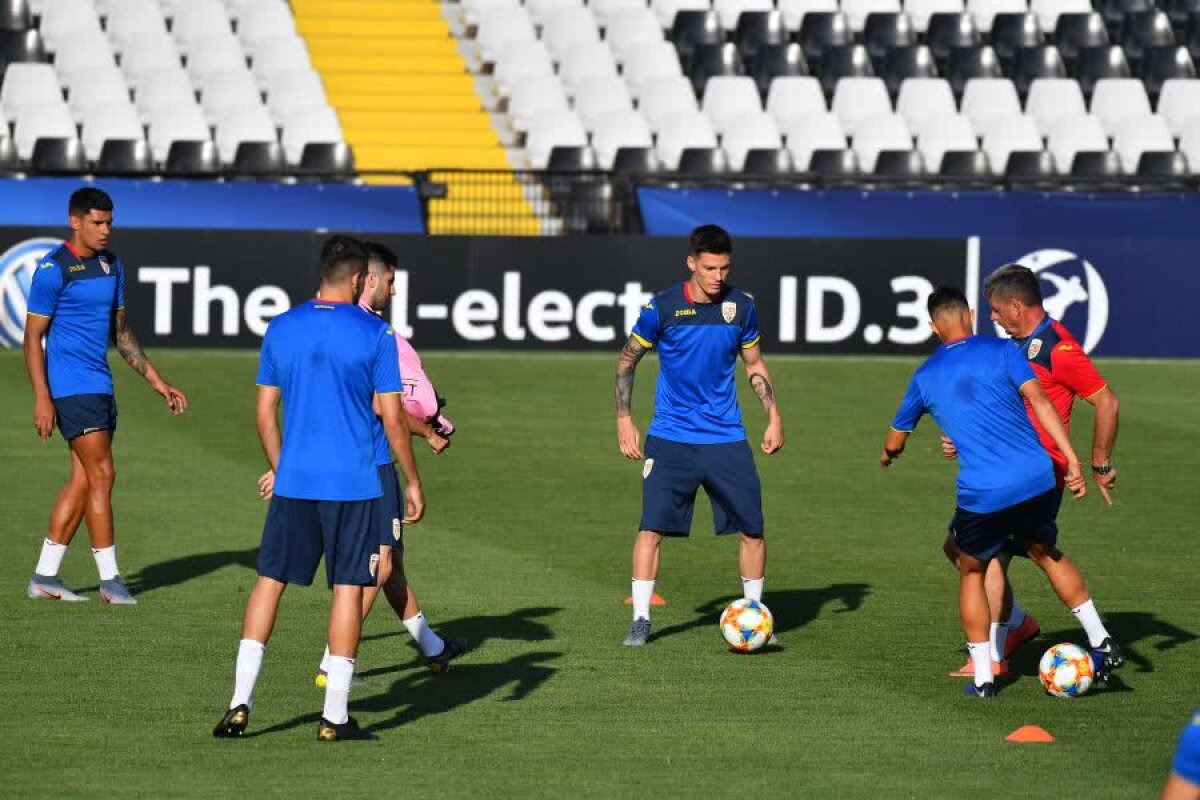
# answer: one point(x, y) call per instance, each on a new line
point(386, 369)
point(266, 363)
point(1016, 366)
point(120, 284)
point(912, 408)
point(750, 333)
point(45, 289)
point(645, 330)
point(1187, 756)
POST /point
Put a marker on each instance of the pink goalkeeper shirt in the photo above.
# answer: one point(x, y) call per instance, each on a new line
point(419, 397)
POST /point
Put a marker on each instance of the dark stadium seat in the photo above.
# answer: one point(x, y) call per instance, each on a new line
point(778, 61)
point(950, 31)
point(8, 154)
point(14, 15)
point(1144, 30)
point(979, 61)
point(968, 165)
point(711, 60)
point(192, 158)
point(328, 158)
point(900, 164)
point(1074, 32)
point(756, 31)
point(1191, 35)
point(1030, 166)
point(125, 155)
point(694, 28)
point(20, 46)
point(902, 63)
point(1100, 62)
point(885, 31)
point(589, 207)
point(702, 161)
point(1012, 32)
point(570, 159)
point(833, 164)
point(1163, 164)
point(847, 61)
point(1178, 12)
point(820, 31)
point(1096, 164)
point(1160, 64)
point(634, 161)
point(58, 156)
point(1031, 63)
point(1115, 11)
point(262, 158)
point(760, 161)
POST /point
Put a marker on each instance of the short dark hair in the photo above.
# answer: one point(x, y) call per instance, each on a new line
point(377, 251)
point(341, 257)
point(1014, 280)
point(710, 239)
point(88, 199)
point(947, 298)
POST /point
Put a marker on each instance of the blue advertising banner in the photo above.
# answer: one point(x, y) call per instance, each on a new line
point(209, 205)
point(1118, 270)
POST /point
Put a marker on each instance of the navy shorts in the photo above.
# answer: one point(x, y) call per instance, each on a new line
point(298, 532)
point(674, 471)
point(389, 511)
point(84, 413)
point(986, 535)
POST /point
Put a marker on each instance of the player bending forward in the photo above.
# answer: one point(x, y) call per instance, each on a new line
point(696, 437)
point(1065, 372)
point(1006, 490)
point(325, 360)
point(76, 302)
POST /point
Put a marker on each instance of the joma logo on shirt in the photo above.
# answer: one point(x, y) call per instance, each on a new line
point(686, 312)
point(76, 268)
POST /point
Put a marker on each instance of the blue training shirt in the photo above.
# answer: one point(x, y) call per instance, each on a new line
point(698, 345)
point(328, 360)
point(971, 387)
point(79, 296)
point(1187, 756)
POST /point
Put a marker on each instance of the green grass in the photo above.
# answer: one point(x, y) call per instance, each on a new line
point(526, 548)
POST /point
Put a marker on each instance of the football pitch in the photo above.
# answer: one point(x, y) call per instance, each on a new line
point(525, 549)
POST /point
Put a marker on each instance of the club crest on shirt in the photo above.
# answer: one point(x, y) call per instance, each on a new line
point(373, 564)
point(397, 528)
point(728, 311)
point(1035, 347)
point(647, 467)
point(103, 265)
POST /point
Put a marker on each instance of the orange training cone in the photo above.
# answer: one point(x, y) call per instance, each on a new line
point(655, 600)
point(1029, 733)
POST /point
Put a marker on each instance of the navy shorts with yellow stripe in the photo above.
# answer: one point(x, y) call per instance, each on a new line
point(389, 513)
point(78, 414)
point(297, 533)
point(985, 535)
point(674, 471)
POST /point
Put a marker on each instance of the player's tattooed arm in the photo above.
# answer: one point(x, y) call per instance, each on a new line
point(131, 350)
point(761, 385)
point(627, 363)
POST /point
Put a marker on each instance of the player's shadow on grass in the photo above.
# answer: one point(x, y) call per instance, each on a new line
point(1136, 631)
point(791, 608)
point(181, 570)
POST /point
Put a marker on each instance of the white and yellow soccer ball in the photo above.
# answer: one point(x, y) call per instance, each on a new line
point(746, 625)
point(1066, 670)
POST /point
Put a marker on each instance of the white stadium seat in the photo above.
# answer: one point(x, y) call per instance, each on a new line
point(198, 21)
point(604, 10)
point(987, 98)
point(109, 122)
point(182, 123)
point(1050, 99)
point(586, 60)
point(27, 85)
point(819, 131)
point(249, 123)
point(63, 20)
point(534, 95)
point(879, 133)
point(42, 121)
point(622, 129)
point(147, 54)
point(567, 28)
point(549, 130)
point(649, 63)
point(132, 18)
point(1071, 135)
point(212, 55)
point(1005, 135)
point(664, 98)
point(89, 52)
point(727, 97)
point(790, 97)
point(1113, 99)
point(226, 90)
point(596, 98)
point(1178, 101)
point(313, 125)
point(751, 132)
point(521, 60)
point(106, 88)
point(940, 134)
point(265, 19)
point(500, 27)
point(855, 99)
point(166, 89)
point(924, 98)
point(474, 10)
point(681, 133)
point(1135, 135)
point(279, 55)
point(1189, 143)
point(540, 9)
point(629, 29)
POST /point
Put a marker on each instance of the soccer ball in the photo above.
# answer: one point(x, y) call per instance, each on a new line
point(746, 625)
point(1066, 670)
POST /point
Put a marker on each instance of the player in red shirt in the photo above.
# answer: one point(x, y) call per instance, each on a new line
point(1065, 372)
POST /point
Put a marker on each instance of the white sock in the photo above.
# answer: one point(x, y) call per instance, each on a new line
point(1017, 615)
point(245, 674)
point(51, 558)
point(1089, 618)
point(981, 658)
point(106, 562)
point(430, 643)
point(999, 635)
point(325, 661)
point(752, 588)
point(337, 690)
point(642, 591)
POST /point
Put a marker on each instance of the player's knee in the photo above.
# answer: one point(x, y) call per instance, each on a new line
point(102, 475)
point(969, 565)
point(752, 542)
point(385, 566)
